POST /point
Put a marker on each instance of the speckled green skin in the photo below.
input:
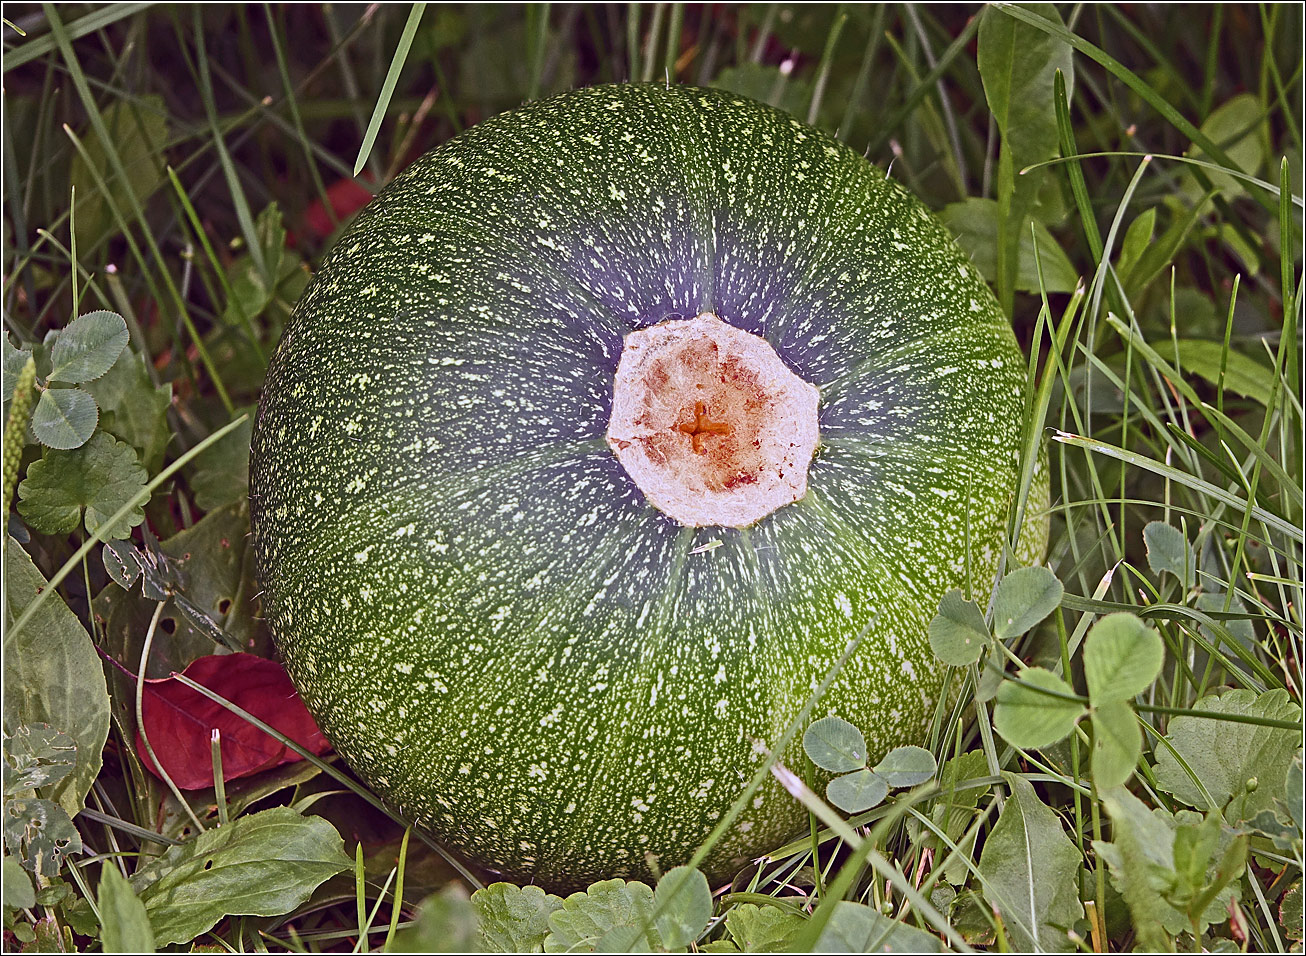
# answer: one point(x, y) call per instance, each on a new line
point(482, 611)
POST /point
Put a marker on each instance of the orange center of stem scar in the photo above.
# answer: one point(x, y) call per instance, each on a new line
point(702, 426)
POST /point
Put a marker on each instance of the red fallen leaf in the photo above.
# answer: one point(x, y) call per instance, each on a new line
point(180, 721)
point(346, 197)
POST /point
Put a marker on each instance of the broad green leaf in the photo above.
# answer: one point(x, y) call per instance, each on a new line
point(1122, 656)
point(100, 477)
point(1168, 552)
point(133, 409)
point(907, 766)
point(1028, 718)
point(88, 347)
point(1137, 238)
point(40, 834)
point(124, 925)
point(14, 360)
point(1243, 374)
point(683, 903)
point(445, 923)
point(1031, 872)
point(37, 755)
point(974, 224)
point(1225, 755)
point(514, 919)
point(18, 890)
point(856, 928)
point(1117, 743)
point(1290, 911)
point(762, 929)
point(1024, 597)
point(585, 918)
point(64, 418)
point(139, 130)
point(1292, 786)
point(835, 745)
point(1018, 65)
point(857, 791)
point(53, 676)
point(221, 471)
point(958, 634)
point(1235, 127)
point(264, 864)
point(1194, 848)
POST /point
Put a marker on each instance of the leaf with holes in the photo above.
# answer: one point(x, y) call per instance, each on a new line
point(1024, 597)
point(99, 478)
point(40, 834)
point(264, 864)
point(180, 721)
point(52, 674)
point(88, 347)
point(958, 634)
point(835, 745)
point(37, 755)
point(64, 418)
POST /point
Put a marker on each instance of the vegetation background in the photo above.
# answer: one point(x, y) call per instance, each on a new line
point(1121, 764)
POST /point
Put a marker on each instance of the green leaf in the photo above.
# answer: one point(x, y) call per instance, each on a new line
point(1024, 597)
point(1117, 743)
point(1137, 238)
point(14, 360)
point(907, 766)
point(958, 634)
point(1235, 127)
point(100, 477)
point(1031, 872)
point(124, 925)
point(1018, 65)
point(762, 929)
point(52, 675)
point(1168, 552)
point(139, 130)
point(974, 224)
point(766, 84)
point(514, 919)
point(221, 475)
point(88, 347)
point(683, 903)
point(1296, 796)
point(856, 928)
point(1027, 718)
point(445, 923)
point(1290, 911)
point(40, 834)
point(1122, 656)
point(37, 755)
point(264, 864)
point(835, 745)
point(1194, 847)
point(18, 890)
point(1243, 374)
point(1141, 860)
point(133, 409)
point(64, 418)
point(1225, 755)
point(584, 919)
point(857, 791)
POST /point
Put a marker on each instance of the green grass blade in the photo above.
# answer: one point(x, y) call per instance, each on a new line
point(388, 87)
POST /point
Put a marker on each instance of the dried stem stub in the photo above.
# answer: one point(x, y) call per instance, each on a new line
point(710, 423)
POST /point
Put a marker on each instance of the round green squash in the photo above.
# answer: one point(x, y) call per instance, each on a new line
point(518, 645)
